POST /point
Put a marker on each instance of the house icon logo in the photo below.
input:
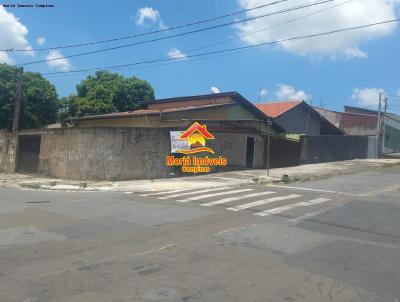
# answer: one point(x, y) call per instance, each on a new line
point(196, 135)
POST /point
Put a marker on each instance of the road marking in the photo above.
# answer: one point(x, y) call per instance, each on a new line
point(193, 192)
point(309, 215)
point(213, 195)
point(291, 206)
point(229, 199)
point(226, 178)
point(236, 229)
point(168, 246)
point(262, 202)
point(315, 190)
point(382, 190)
point(163, 192)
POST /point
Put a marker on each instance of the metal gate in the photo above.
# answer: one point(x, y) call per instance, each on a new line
point(28, 154)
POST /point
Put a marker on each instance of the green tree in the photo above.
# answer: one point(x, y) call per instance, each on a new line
point(38, 102)
point(107, 92)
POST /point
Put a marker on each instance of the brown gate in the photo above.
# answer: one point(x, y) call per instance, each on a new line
point(28, 154)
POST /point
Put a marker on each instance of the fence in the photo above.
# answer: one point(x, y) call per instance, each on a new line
point(326, 148)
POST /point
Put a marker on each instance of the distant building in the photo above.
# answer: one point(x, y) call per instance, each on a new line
point(361, 121)
point(351, 123)
point(297, 117)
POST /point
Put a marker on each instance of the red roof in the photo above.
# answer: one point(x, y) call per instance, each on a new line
point(276, 109)
point(350, 120)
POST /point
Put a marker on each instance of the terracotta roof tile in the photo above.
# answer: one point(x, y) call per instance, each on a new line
point(276, 109)
point(349, 120)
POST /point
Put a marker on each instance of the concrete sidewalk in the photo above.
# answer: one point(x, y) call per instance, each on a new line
point(228, 179)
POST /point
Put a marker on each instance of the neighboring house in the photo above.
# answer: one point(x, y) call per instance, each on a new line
point(351, 123)
point(364, 122)
point(297, 117)
point(391, 138)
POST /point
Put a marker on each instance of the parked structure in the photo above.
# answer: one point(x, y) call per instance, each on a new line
point(297, 117)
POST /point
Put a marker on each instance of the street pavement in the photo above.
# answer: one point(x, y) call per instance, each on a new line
point(335, 239)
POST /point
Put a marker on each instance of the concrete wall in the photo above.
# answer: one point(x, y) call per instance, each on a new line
point(8, 152)
point(283, 152)
point(317, 149)
point(295, 121)
point(127, 153)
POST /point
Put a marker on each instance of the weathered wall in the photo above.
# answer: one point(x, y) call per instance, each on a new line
point(8, 152)
point(127, 153)
point(332, 116)
point(297, 120)
point(318, 149)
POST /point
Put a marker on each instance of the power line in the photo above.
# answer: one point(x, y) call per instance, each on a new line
point(238, 37)
point(178, 35)
point(231, 49)
point(269, 27)
point(147, 33)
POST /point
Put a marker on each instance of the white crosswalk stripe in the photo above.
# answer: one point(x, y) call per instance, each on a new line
point(262, 202)
point(192, 193)
point(234, 198)
point(213, 195)
point(310, 215)
point(163, 192)
point(291, 206)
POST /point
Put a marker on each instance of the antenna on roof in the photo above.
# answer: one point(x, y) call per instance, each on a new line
point(215, 90)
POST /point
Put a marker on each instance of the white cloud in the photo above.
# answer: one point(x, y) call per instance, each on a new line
point(12, 35)
point(41, 40)
point(146, 13)
point(287, 92)
point(62, 64)
point(175, 53)
point(263, 92)
point(345, 44)
point(366, 96)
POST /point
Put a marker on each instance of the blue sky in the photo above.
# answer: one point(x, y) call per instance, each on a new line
point(334, 70)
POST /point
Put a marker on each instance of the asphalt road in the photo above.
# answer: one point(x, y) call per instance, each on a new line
point(329, 240)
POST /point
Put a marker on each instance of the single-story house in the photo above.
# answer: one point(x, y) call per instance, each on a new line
point(135, 144)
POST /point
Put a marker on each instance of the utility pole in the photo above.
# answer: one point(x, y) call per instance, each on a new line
point(268, 143)
point(384, 123)
point(378, 124)
point(17, 106)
